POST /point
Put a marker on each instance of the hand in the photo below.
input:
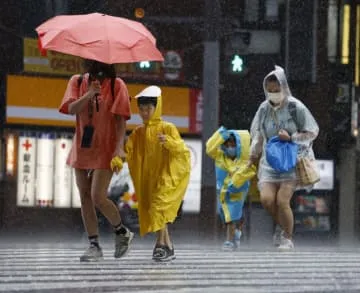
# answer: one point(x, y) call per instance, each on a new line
point(251, 162)
point(284, 135)
point(95, 88)
point(116, 164)
point(120, 153)
point(162, 138)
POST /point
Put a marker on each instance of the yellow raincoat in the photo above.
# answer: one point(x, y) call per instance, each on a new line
point(232, 176)
point(160, 172)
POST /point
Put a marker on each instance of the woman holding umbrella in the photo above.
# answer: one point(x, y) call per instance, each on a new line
point(101, 104)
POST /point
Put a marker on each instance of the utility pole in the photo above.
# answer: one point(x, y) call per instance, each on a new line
point(210, 121)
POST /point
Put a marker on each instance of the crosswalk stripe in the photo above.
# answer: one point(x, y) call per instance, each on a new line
point(59, 270)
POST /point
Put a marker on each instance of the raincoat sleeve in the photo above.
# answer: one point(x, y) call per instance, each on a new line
point(256, 136)
point(308, 127)
point(174, 143)
point(129, 147)
point(71, 94)
point(213, 144)
point(121, 105)
point(240, 179)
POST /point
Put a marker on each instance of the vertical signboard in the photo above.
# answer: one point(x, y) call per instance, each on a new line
point(45, 169)
point(26, 171)
point(63, 174)
point(196, 110)
point(193, 193)
point(10, 155)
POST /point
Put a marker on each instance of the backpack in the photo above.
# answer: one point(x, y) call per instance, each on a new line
point(80, 79)
point(292, 111)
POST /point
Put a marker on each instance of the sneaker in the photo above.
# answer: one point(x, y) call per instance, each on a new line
point(122, 243)
point(228, 246)
point(286, 244)
point(93, 253)
point(157, 248)
point(163, 254)
point(237, 237)
point(277, 236)
point(172, 253)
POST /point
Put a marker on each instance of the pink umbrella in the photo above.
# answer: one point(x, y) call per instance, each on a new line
point(100, 37)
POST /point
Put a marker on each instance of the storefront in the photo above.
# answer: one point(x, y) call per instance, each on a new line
point(38, 140)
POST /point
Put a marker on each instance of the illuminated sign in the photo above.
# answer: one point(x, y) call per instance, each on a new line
point(45, 170)
point(53, 63)
point(10, 155)
point(193, 193)
point(63, 174)
point(26, 171)
point(326, 171)
point(39, 106)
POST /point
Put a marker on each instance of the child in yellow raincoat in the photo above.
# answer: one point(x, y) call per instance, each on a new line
point(159, 163)
point(230, 150)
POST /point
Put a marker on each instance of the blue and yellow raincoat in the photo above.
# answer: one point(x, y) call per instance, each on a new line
point(232, 176)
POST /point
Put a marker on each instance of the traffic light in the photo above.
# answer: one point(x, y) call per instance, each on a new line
point(236, 64)
point(145, 66)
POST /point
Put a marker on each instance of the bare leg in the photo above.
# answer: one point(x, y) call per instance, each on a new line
point(88, 212)
point(230, 234)
point(268, 198)
point(285, 213)
point(167, 239)
point(100, 183)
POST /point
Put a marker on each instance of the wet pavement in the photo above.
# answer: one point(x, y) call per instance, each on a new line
point(53, 266)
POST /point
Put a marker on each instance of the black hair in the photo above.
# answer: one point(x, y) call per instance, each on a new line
point(99, 69)
point(272, 78)
point(231, 138)
point(147, 101)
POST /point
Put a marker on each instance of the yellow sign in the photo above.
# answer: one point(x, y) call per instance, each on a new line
point(35, 101)
point(53, 63)
point(62, 64)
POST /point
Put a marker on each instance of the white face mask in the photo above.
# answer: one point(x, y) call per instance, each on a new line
point(276, 98)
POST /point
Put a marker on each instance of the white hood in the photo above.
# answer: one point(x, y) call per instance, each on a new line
point(280, 74)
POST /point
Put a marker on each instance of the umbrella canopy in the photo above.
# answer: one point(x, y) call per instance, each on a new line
point(100, 37)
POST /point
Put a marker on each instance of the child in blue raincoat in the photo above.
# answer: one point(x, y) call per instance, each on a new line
point(230, 151)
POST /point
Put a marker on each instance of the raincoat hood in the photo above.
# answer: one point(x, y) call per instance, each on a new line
point(153, 91)
point(237, 134)
point(280, 74)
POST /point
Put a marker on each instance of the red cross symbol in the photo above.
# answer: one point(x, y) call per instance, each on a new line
point(27, 145)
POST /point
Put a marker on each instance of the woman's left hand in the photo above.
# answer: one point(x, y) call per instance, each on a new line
point(284, 135)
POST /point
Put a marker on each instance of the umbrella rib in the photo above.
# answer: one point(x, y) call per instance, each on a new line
point(108, 41)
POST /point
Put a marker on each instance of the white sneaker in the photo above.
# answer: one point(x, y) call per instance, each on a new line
point(286, 244)
point(93, 253)
point(277, 236)
point(228, 246)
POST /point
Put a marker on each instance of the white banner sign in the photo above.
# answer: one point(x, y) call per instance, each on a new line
point(326, 170)
point(26, 171)
point(45, 170)
point(193, 194)
point(63, 174)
